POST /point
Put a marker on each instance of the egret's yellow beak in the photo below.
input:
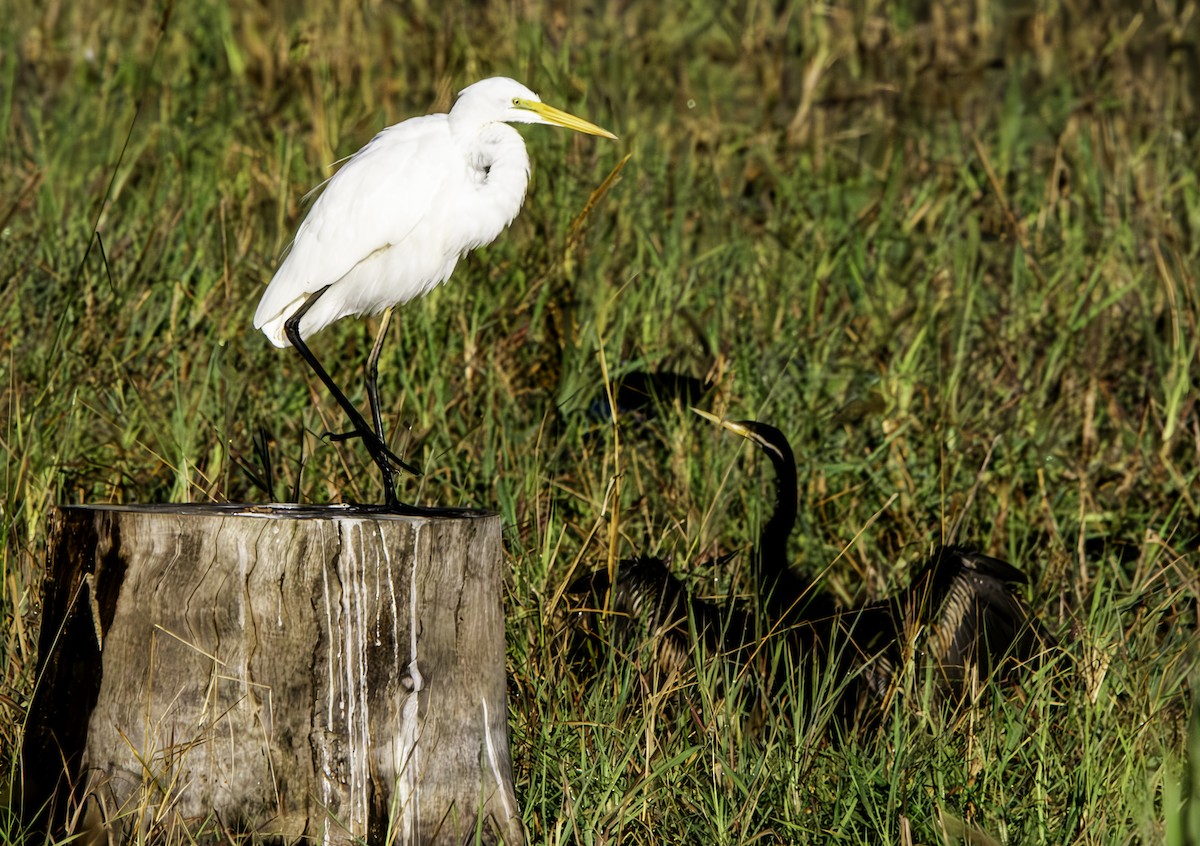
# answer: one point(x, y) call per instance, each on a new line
point(558, 117)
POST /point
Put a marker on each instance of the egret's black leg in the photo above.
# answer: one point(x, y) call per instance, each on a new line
point(373, 375)
point(383, 457)
point(372, 371)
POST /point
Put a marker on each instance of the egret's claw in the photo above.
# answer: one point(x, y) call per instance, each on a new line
point(378, 449)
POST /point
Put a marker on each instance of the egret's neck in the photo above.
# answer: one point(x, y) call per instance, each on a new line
point(498, 167)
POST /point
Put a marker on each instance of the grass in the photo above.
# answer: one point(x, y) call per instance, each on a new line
point(950, 251)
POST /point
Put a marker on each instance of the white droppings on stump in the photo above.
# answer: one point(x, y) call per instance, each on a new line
point(313, 673)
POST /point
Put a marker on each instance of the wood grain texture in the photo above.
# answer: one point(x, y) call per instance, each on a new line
point(329, 673)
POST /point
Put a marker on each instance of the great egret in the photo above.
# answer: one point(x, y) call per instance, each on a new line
point(393, 222)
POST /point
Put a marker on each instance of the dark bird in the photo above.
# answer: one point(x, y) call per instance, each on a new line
point(959, 618)
point(786, 596)
point(959, 615)
point(639, 393)
point(649, 605)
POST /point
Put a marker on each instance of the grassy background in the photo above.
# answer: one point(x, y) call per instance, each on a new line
point(951, 252)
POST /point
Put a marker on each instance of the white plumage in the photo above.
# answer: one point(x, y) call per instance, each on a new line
point(393, 222)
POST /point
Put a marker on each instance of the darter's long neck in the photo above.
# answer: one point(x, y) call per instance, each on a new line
point(784, 593)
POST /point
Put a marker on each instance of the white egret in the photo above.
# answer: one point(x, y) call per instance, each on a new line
point(393, 222)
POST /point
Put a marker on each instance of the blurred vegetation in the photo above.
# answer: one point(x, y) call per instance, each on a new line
point(950, 249)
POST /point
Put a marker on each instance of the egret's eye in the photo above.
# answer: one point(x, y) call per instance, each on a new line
point(516, 101)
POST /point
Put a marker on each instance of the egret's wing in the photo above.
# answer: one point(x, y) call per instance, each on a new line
point(375, 201)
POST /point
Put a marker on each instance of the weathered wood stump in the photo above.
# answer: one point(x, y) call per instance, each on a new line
point(327, 673)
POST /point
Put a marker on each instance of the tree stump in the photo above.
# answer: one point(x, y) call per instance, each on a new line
point(331, 673)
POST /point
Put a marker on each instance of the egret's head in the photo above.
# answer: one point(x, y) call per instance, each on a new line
point(506, 100)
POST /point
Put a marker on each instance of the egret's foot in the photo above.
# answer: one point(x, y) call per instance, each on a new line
point(383, 458)
point(389, 488)
point(378, 449)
